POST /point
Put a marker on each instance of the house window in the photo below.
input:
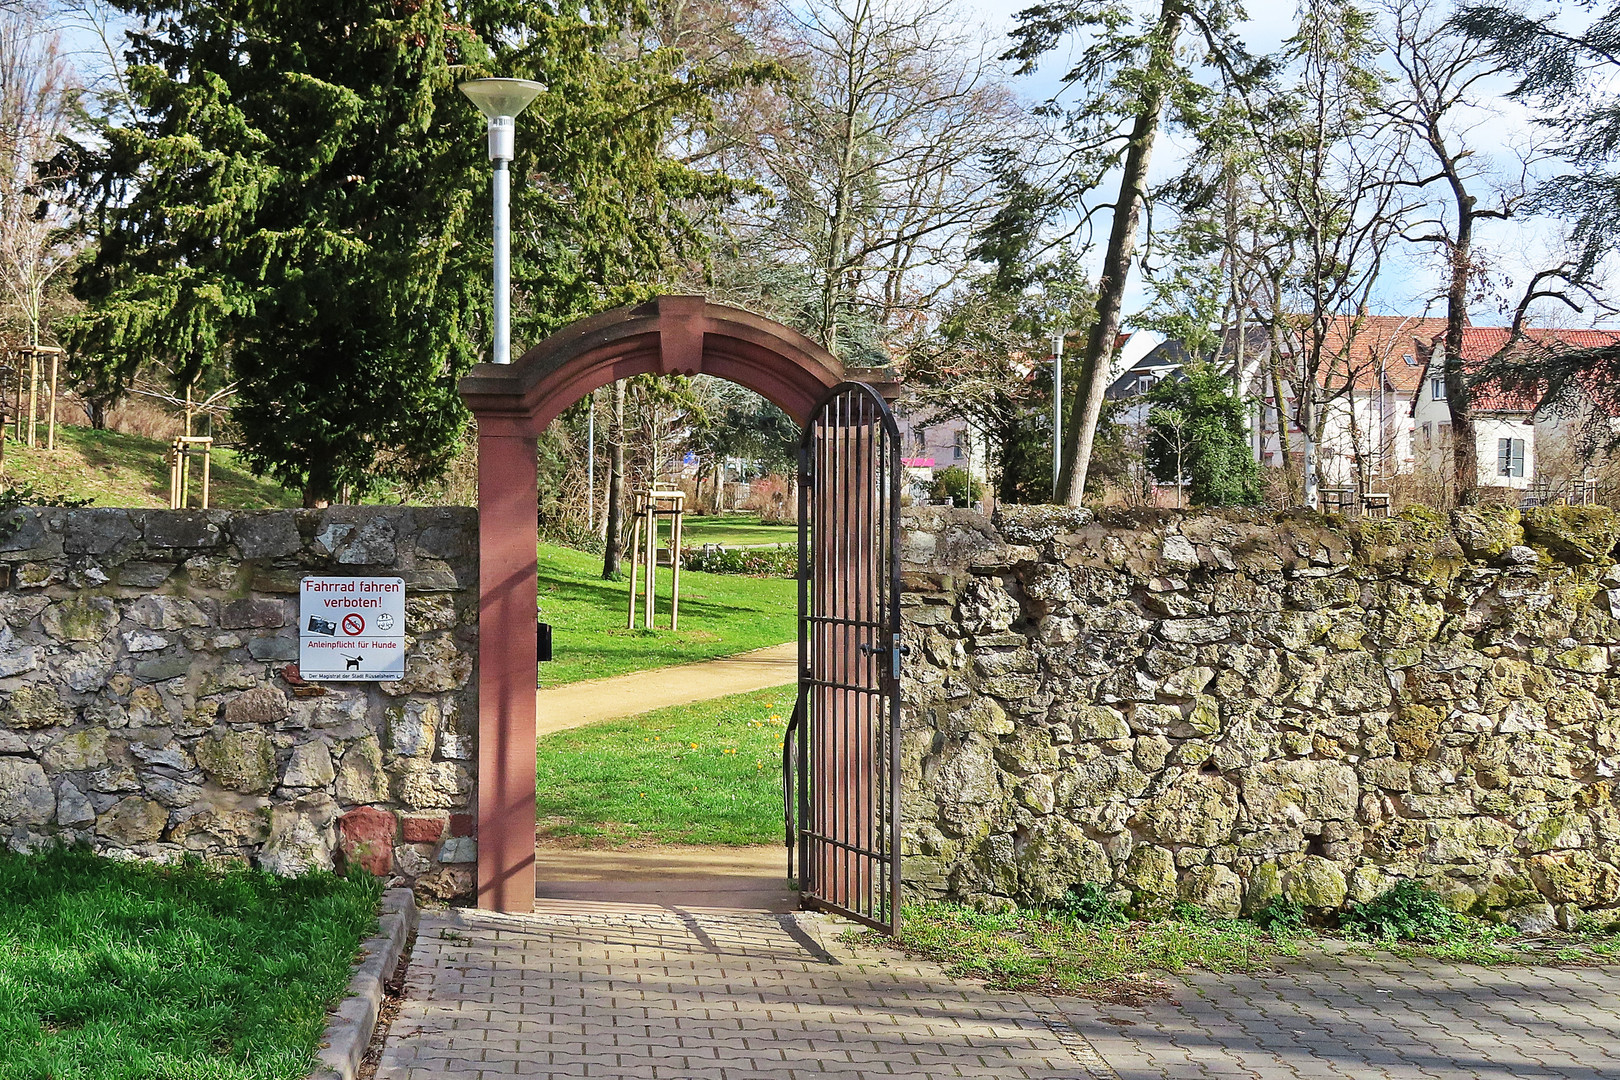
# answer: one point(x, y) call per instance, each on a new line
point(1510, 457)
point(1144, 383)
point(1443, 433)
point(1428, 435)
point(1437, 387)
point(961, 445)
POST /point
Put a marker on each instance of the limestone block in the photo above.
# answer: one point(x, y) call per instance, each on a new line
point(459, 849)
point(221, 820)
point(1279, 792)
point(72, 807)
point(261, 705)
point(301, 837)
point(139, 641)
point(79, 751)
point(242, 761)
point(433, 666)
point(133, 820)
point(412, 727)
point(1194, 809)
point(35, 705)
point(360, 775)
point(1316, 883)
point(310, 766)
point(97, 531)
point(266, 535)
point(431, 785)
point(26, 797)
point(16, 658)
point(157, 612)
point(80, 618)
point(1216, 890)
point(253, 613)
point(1150, 874)
point(170, 754)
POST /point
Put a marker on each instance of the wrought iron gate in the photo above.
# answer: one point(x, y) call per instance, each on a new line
point(841, 757)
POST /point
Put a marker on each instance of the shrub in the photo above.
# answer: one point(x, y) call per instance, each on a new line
point(1088, 903)
point(1281, 916)
point(957, 484)
point(1407, 912)
point(777, 561)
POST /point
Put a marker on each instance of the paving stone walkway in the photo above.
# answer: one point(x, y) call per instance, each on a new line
point(627, 991)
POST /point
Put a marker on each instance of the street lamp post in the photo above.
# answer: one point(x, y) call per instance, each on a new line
point(501, 100)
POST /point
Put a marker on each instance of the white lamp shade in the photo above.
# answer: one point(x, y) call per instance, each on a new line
point(501, 97)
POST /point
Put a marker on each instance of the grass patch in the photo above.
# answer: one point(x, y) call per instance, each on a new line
point(112, 970)
point(732, 529)
point(721, 614)
point(129, 470)
point(1062, 953)
point(708, 773)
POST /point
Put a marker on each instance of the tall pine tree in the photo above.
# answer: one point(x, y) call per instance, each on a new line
point(304, 205)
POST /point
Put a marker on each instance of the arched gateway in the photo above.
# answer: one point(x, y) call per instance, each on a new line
point(841, 758)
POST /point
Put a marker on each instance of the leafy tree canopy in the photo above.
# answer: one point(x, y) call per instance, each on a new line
point(1198, 434)
point(302, 203)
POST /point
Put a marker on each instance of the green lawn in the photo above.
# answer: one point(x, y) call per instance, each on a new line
point(129, 470)
point(733, 529)
point(123, 970)
point(721, 614)
point(709, 773)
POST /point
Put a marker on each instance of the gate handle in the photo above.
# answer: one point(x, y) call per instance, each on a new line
point(868, 649)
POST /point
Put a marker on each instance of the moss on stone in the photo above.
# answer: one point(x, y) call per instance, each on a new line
point(1581, 533)
point(1414, 731)
point(1485, 532)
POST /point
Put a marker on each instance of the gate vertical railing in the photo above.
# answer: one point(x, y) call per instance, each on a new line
point(841, 754)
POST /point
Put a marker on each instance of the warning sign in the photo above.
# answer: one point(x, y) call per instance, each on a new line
point(351, 629)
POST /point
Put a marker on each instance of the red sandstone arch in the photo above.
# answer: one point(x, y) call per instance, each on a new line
point(513, 403)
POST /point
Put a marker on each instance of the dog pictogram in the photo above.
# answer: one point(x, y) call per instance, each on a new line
point(352, 663)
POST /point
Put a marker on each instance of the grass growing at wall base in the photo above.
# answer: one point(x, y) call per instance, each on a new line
point(115, 970)
point(709, 773)
point(721, 614)
point(1052, 952)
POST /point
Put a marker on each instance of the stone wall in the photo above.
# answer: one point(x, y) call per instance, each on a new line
point(150, 702)
point(1225, 709)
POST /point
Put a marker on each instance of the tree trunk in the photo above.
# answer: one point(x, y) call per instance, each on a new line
point(615, 500)
point(1082, 432)
point(1464, 446)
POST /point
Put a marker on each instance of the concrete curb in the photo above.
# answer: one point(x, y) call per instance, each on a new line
point(348, 1032)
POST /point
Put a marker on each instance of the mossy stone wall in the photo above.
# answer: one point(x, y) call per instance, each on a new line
point(1223, 709)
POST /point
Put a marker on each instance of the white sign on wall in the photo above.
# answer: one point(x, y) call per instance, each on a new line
point(351, 629)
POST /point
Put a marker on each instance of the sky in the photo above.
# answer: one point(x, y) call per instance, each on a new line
point(1514, 248)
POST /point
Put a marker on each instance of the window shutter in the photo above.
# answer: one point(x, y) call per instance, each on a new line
point(1504, 457)
point(1518, 457)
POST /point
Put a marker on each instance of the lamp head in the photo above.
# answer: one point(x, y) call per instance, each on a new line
point(501, 100)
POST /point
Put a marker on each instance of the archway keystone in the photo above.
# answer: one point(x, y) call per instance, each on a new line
point(672, 335)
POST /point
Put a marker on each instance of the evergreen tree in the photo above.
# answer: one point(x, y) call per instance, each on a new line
point(303, 200)
point(1198, 435)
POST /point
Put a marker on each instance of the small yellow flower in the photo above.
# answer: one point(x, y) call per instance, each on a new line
point(694, 746)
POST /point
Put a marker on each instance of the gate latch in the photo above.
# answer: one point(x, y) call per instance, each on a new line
point(894, 654)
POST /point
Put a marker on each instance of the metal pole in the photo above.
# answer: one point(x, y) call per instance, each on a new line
point(590, 465)
point(1057, 413)
point(50, 438)
point(503, 267)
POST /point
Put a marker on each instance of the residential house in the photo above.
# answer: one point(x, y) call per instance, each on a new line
point(1517, 443)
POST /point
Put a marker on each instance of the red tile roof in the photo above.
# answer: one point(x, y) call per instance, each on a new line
point(1359, 345)
point(1481, 343)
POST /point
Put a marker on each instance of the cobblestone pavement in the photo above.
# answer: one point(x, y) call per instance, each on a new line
point(623, 991)
point(1344, 1015)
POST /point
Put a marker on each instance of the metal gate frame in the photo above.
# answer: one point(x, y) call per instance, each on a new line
point(844, 822)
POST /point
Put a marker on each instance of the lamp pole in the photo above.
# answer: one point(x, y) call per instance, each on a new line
point(1057, 411)
point(501, 100)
